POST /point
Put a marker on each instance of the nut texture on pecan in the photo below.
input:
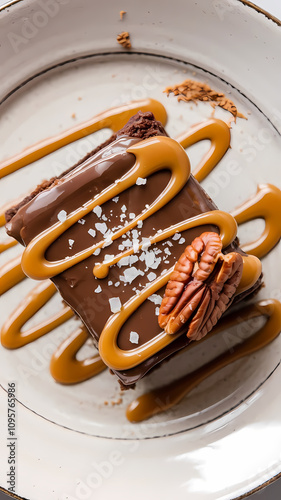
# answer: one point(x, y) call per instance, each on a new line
point(201, 287)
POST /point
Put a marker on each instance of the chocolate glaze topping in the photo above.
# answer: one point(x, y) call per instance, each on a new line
point(87, 295)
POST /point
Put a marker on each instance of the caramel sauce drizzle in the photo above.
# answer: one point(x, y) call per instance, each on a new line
point(65, 367)
point(114, 118)
point(12, 335)
point(265, 204)
point(11, 274)
point(153, 154)
point(167, 396)
point(217, 131)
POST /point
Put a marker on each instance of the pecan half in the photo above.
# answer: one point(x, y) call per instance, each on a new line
point(201, 287)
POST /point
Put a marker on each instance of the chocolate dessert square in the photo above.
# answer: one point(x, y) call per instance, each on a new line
point(108, 233)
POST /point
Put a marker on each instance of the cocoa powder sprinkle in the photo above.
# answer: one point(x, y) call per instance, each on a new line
point(124, 39)
point(193, 91)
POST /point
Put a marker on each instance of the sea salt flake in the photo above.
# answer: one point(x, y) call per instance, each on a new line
point(123, 208)
point(101, 227)
point(107, 242)
point(98, 289)
point(156, 263)
point(149, 258)
point(131, 274)
point(134, 337)
point(121, 247)
point(127, 243)
point(115, 304)
point(176, 236)
point(157, 311)
point(97, 251)
point(92, 232)
point(98, 211)
point(108, 234)
point(117, 283)
point(132, 215)
point(155, 298)
point(110, 283)
point(133, 259)
point(169, 243)
point(108, 257)
point(135, 234)
point(62, 216)
point(135, 245)
point(151, 276)
point(122, 217)
point(167, 251)
point(140, 181)
point(145, 243)
point(116, 199)
point(123, 262)
point(70, 242)
point(140, 224)
point(81, 221)
point(142, 256)
point(181, 241)
point(104, 217)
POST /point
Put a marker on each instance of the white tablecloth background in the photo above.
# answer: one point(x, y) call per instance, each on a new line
point(272, 492)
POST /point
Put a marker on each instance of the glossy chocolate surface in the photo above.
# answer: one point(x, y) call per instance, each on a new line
point(87, 295)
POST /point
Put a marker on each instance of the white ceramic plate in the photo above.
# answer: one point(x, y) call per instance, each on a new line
point(223, 441)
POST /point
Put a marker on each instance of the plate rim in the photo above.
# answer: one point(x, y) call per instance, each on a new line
point(244, 2)
point(277, 21)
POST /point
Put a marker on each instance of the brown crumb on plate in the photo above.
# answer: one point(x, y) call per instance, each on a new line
point(73, 116)
point(122, 14)
point(124, 39)
point(192, 91)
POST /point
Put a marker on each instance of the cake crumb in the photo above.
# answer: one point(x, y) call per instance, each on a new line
point(122, 14)
point(193, 91)
point(124, 40)
point(73, 116)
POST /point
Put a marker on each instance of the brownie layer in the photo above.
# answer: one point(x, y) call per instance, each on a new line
point(88, 296)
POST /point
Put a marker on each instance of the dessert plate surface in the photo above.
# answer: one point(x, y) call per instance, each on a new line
point(61, 65)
